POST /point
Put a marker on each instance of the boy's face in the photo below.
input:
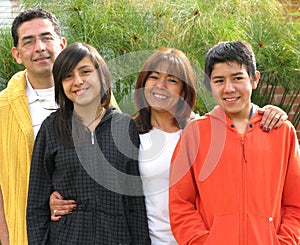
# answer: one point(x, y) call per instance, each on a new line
point(232, 88)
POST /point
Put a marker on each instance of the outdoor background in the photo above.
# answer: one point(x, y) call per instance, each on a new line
point(126, 32)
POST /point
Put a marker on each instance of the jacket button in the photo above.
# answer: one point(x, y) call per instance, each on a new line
point(270, 219)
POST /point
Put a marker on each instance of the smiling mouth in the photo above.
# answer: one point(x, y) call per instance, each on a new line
point(41, 58)
point(231, 99)
point(80, 91)
point(159, 96)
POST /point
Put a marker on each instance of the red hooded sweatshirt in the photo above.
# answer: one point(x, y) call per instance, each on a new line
point(233, 189)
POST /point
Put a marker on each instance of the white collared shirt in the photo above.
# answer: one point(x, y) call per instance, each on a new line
point(41, 104)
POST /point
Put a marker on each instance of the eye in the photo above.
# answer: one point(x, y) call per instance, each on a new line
point(87, 71)
point(67, 76)
point(172, 80)
point(218, 81)
point(240, 78)
point(154, 77)
point(47, 38)
point(27, 42)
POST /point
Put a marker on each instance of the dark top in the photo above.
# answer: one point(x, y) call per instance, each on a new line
point(103, 178)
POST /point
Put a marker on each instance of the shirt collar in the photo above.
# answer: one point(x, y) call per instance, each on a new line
point(31, 95)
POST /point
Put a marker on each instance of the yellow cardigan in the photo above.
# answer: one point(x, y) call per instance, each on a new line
point(16, 134)
point(16, 144)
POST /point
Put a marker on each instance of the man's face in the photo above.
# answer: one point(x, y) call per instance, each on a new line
point(38, 47)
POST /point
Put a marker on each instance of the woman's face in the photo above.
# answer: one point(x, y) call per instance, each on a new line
point(82, 85)
point(163, 91)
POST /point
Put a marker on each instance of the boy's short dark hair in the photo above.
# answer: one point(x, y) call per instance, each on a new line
point(31, 14)
point(239, 51)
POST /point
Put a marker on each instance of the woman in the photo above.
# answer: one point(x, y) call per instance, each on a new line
point(164, 96)
point(78, 152)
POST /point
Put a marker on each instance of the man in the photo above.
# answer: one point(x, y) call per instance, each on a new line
point(232, 183)
point(24, 104)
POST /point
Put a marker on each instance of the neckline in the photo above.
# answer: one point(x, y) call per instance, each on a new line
point(100, 115)
point(175, 132)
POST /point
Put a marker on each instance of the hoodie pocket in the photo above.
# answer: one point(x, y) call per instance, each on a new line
point(261, 230)
point(224, 230)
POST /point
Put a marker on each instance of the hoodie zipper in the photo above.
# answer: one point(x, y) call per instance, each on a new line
point(92, 137)
point(243, 148)
point(243, 195)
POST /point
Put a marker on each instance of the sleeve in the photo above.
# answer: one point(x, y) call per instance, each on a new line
point(186, 222)
point(40, 188)
point(135, 200)
point(289, 232)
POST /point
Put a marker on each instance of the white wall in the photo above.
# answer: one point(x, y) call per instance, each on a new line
point(8, 10)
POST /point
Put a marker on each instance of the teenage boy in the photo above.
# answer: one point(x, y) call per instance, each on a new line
point(232, 183)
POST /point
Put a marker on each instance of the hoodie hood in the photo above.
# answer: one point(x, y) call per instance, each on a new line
point(219, 114)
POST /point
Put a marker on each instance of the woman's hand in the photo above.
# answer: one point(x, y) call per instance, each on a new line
point(59, 206)
point(273, 117)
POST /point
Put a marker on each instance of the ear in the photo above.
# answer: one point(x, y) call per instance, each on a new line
point(255, 80)
point(16, 54)
point(63, 42)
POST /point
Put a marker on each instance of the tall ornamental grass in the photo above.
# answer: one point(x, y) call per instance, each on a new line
point(126, 32)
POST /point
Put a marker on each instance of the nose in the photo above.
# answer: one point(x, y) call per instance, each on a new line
point(78, 80)
point(229, 87)
point(161, 83)
point(39, 45)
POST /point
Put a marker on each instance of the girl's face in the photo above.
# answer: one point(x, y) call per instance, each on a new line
point(163, 91)
point(82, 85)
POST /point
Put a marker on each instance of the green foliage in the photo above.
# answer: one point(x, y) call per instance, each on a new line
point(8, 65)
point(119, 28)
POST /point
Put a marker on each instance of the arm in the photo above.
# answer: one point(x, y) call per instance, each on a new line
point(186, 221)
point(59, 206)
point(40, 188)
point(273, 117)
point(289, 232)
point(135, 201)
point(4, 237)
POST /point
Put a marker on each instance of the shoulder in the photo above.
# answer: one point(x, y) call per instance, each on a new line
point(48, 122)
point(3, 98)
point(118, 114)
point(287, 126)
point(15, 90)
point(46, 131)
point(17, 81)
point(15, 86)
point(118, 117)
point(122, 124)
point(200, 120)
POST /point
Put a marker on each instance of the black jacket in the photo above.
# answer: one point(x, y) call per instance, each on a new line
point(102, 177)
